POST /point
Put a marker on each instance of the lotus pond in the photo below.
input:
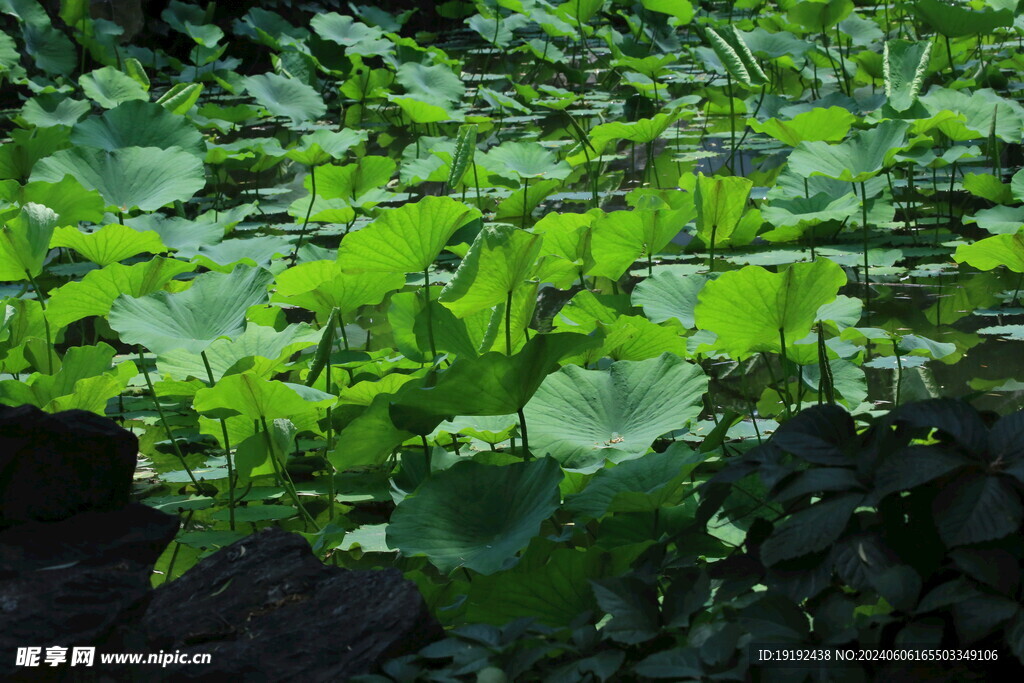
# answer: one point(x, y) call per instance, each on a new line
point(499, 292)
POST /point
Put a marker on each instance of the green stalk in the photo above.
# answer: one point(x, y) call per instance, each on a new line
point(331, 471)
point(344, 334)
point(309, 212)
point(476, 185)
point(732, 117)
point(949, 55)
point(284, 477)
point(788, 397)
point(227, 449)
point(46, 323)
point(524, 434)
point(864, 226)
point(711, 250)
point(163, 421)
point(508, 324)
point(825, 384)
point(526, 202)
point(426, 451)
point(430, 315)
point(899, 370)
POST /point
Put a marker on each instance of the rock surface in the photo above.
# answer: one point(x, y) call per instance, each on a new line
point(76, 560)
point(267, 604)
point(54, 465)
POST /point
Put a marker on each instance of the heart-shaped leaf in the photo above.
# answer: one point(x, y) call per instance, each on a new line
point(476, 516)
point(213, 307)
point(584, 417)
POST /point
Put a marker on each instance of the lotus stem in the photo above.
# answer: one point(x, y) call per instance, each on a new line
point(523, 433)
point(227, 448)
point(163, 421)
point(284, 477)
point(899, 370)
point(864, 228)
point(309, 211)
point(430, 315)
point(46, 322)
point(508, 323)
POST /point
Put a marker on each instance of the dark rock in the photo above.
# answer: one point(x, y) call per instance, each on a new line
point(266, 608)
point(76, 560)
point(53, 466)
point(83, 581)
point(136, 533)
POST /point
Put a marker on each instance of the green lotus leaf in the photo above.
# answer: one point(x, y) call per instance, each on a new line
point(86, 380)
point(370, 438)
point(989, 187)
point(498, 263)
point(464, 337)
point(992, 252)
point(491, 429)
point(1005, 220)
point(23, 343)
point(213, 307)
point(255, 398)
point(19, 157)
point(519, 206)
point(138, 124)
point(25, 241)
point(187, 235)
point(406, 239)
point(553, 593)
point(44, 111)
point(791, 216)
point(621, 237)
point(583, 418)
point(71, 202)
point(721, 202)
point(94, 294)
point(682, 10)
point(653, 481)
point(971, 116)
point(363, 393)
point(669, 295)
point(320, 146)
point(641, 130)
point(906, 65)
point(476, 516)
point(747, 308)
point(287, 97)
point(250, 251)
point(143, 177)
point(565, 248)
point(819, 15)
point(828, 125)
point(180, 97)
point(109, 87)
point(321, 286)
point(421, 111)
point(346, 31)
point(954, 21)
point(260, 350)
point(528, 160)
point(859, 158)
point(49, 47)
point(434, 84)
point(191, 20)
point(322, 211)
point(352, 182)
point(491, 384)
point(634, 337)
point(109, 244)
